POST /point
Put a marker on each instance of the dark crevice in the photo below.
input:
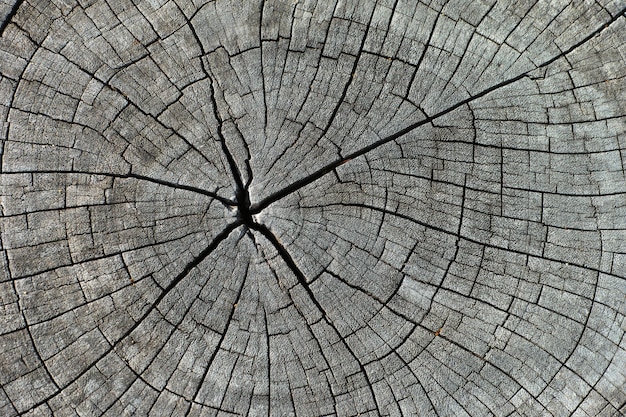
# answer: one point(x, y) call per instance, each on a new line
point(242, 196)
point(474, 240)
point(426, 46)
point(261, 12)
point(302, 315)
point(286, 257)
point(128, 103)
point(256, 208)
point(219, 344)
point(458, 235)
point(244, 215)
point(226, 202)
point(346, 87)
point(268, 359)
point(188, 268)
point(284, 254)
point(10, 16)
point(132, 282)
point(26, 327)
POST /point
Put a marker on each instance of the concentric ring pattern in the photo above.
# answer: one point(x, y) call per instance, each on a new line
point(399, 208)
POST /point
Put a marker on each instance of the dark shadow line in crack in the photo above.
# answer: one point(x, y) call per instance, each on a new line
point(219, 344)
point(258, 207)
point(241, 190)
point(225, 201)
point(10, 16)
point(236, 173)
point(191, 265)
point(286, 257)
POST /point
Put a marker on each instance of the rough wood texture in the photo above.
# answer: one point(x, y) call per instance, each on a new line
point(312, 208)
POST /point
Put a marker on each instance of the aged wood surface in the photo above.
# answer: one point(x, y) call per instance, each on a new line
point(274, 208)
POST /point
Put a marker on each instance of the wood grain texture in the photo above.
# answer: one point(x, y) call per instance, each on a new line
point(301, 208)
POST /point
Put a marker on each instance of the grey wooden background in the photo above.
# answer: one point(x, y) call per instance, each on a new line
point(398, 208)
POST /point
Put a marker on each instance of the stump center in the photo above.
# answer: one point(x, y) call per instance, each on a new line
point(243, 208)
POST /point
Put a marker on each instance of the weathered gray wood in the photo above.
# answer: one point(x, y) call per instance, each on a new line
point(217, 208)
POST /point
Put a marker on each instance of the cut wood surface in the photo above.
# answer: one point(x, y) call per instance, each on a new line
point(301, 208)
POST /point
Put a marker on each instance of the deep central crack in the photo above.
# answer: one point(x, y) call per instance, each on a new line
point(243, 207)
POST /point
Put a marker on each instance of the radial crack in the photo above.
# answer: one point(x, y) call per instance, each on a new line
point(286, 257)
point(188, 268)
point(256, 208)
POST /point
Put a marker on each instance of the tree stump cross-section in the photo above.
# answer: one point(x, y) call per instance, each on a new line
point(312, 208)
